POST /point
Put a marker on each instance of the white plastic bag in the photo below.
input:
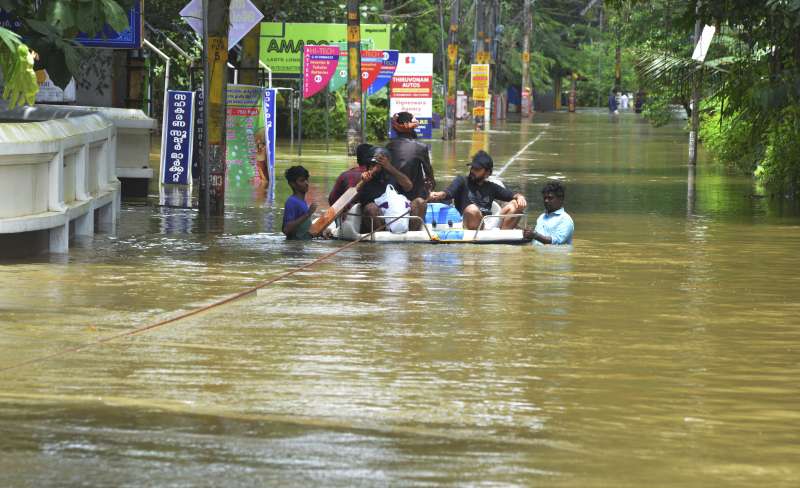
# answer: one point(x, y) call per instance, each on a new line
point(393, 204)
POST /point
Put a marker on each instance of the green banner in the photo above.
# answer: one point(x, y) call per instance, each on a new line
point(281, 45)
point(340, 76)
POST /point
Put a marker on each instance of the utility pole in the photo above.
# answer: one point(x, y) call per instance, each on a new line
point(248, 65)
point(695, 95)
point(215, 46)
point(478, 57)
point(526, 92)
point(354, 127)
point(452, 59)
point(618, 63)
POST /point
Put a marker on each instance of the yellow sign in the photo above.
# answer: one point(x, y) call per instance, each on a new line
point(452, 51)
point(526, 57)
point(218, 61)
point(479, 79)
point(353, 33)
point(483, 57)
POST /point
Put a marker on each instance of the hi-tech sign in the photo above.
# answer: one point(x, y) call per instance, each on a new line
point(281, 46)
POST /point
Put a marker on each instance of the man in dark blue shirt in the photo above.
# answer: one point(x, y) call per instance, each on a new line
point(296, 213)
point(473, 196)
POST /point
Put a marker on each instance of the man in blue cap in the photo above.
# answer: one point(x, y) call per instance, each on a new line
point(474, 194)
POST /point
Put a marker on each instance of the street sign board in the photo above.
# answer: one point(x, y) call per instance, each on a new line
point(243, 17)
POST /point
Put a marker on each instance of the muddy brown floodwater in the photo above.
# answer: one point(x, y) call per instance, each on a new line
point(662, 349)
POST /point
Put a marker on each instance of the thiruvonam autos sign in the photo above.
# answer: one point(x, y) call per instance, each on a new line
point(281, 46)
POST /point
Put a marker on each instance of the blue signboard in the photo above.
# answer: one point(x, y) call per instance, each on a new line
point(130, 38)
point(388, 68)
point(176, 140)
point(424, 130)
point(270, 95)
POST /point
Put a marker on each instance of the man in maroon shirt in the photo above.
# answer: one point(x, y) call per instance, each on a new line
point(352, 176)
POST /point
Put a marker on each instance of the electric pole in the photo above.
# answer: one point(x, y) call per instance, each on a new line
point(354, 127)
point(526, 92)
point(452, 59)
point(215, 46)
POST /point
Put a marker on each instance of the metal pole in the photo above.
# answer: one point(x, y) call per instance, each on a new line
point(300, 121)
point(449, 132)
point(291, 117)
point(695, 95)
point(355, 132)
point(327, 121)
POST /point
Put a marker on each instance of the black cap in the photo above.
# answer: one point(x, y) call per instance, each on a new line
point(481, 159)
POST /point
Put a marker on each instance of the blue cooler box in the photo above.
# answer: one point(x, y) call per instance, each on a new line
point(441, 213)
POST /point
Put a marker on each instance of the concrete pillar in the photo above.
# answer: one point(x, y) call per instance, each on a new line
point(82, 167)
point(55, 191)
point(107, 218)
point(84, 225)
point(59, 238)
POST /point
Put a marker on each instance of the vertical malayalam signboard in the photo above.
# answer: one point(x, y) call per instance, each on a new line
point(176, 138)
point(411, 90)
point(319, 66)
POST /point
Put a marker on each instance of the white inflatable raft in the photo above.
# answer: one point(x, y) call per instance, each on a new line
point(451, 232)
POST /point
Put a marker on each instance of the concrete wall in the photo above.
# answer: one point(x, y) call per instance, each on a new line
point(134, 130)
point(54, 173)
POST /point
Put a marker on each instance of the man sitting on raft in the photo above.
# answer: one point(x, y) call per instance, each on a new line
point(473, 196)
point(380, 173)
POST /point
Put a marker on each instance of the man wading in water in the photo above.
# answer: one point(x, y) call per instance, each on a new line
point(411, 158)
point(554, 226)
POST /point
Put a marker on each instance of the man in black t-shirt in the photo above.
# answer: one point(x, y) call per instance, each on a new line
point(473, 195)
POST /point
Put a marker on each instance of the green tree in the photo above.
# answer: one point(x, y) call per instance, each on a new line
point(49, 28)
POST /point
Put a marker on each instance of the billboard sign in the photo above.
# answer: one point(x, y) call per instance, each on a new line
point(281, 45)
point(411, 90)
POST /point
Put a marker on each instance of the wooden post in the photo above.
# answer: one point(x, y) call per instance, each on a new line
point(354, 127)
point(215, 44)
point(449, 132)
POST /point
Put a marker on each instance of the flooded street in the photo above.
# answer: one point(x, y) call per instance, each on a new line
point(662, 349)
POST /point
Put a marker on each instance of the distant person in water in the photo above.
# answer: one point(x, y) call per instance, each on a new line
point(612, 103)
point(412, 158)
point(297, 213)
point(473, 195)
point(554, 226)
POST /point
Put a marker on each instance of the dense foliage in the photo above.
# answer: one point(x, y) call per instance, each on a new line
point(750, 79)
point(49, 28)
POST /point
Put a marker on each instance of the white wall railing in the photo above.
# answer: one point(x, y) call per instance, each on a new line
point(56, 172)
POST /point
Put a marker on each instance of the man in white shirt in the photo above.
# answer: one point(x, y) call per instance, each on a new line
point(624, 100)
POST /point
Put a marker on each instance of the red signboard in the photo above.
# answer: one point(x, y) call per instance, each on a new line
point(371, 64)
